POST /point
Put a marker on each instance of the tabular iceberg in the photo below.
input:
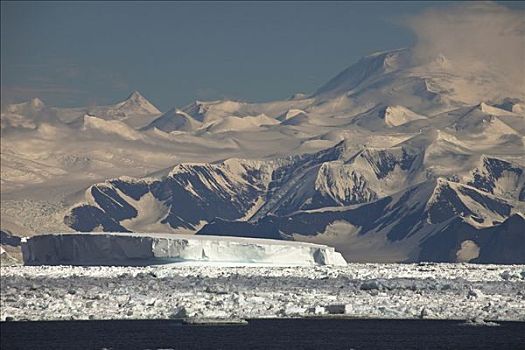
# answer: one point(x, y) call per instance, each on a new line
point(156, 248)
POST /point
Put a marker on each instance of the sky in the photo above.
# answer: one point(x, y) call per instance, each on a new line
point(87, 53)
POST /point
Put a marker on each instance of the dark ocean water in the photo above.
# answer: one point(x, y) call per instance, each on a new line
point(262, 334)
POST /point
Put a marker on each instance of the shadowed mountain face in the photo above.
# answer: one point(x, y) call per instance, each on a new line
point(380, 199)
point(191, 194)
point(391, 160)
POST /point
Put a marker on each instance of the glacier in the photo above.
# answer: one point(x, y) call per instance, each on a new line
point(139, 249)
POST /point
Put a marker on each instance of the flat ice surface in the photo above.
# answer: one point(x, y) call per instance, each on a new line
point(437, 291)
point(153, 248)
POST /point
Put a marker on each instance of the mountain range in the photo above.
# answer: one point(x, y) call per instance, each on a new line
point(391, 160)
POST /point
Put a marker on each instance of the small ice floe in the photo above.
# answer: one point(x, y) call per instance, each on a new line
point(478, 321)
point(215, 321)
point(337, 309)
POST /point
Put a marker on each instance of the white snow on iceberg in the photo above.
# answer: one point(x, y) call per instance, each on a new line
point(136, 249)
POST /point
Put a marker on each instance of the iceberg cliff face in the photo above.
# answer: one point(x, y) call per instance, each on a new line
point(145, 249)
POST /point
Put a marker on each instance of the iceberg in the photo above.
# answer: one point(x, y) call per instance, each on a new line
point(139, 249)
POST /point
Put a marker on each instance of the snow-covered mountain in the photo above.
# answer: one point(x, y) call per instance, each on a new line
point(391, 160)
point(173, 120)
point(375, 204)
point(30, 114)
point(135, 105)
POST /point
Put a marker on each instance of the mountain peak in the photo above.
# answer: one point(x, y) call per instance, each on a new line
point(488, 109)
point(28, 107)
point(398, 115)
point(138, 104)
point(173, 120)
point(37, 103)
point(135, 95)
point(367, 67)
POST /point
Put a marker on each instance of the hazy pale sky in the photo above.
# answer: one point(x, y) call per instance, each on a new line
point(83, 53)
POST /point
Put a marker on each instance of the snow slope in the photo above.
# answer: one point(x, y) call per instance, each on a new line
point(399, 115)
point(232, 123)
point(110, 127)
point(173, 120)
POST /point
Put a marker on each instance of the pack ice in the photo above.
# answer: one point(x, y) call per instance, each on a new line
point(157, 248)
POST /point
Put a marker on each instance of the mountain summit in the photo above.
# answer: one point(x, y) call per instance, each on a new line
point(136, 104)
